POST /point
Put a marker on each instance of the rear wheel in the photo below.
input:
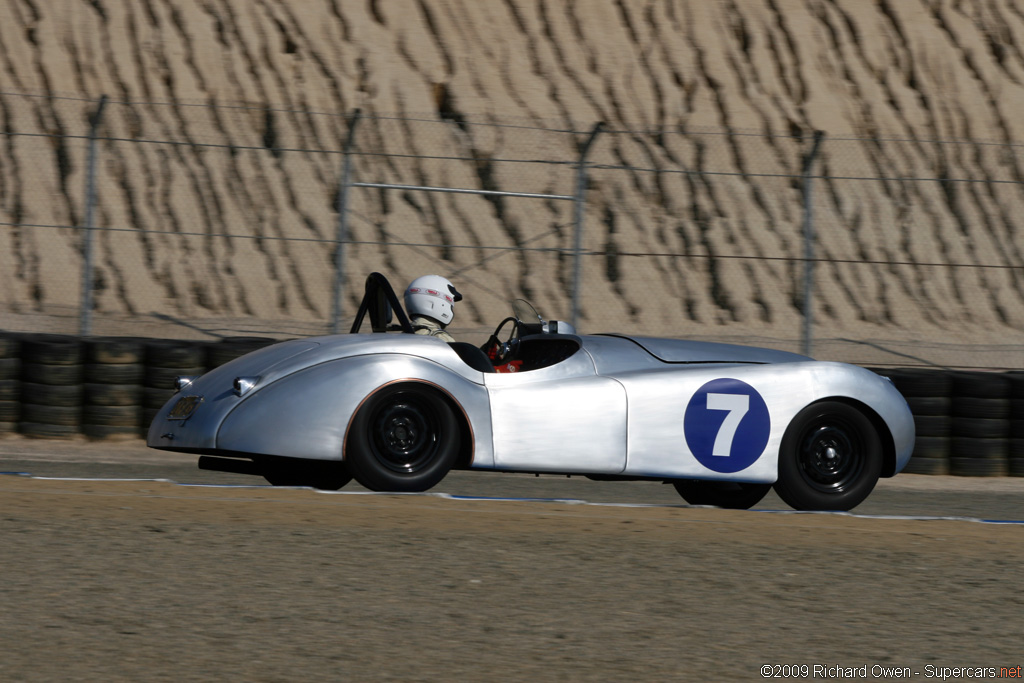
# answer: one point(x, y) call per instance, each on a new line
point(732, 495)
point(830, 458)
point(404, 438)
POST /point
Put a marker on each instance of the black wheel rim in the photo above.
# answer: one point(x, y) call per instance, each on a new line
point(405, 433)
point(832, 454)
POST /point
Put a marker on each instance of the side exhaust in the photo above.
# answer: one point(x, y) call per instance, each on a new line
point(234, 465)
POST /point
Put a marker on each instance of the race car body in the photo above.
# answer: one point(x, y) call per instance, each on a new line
point(397, 411)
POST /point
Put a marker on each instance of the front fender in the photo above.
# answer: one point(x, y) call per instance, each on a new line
point(306, 414)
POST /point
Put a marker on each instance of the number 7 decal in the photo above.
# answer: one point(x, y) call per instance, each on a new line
point(729, 442)
point(737, 405)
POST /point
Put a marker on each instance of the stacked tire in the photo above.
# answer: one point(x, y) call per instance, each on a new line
point(113, 388)
point(928, 395)
point(10, 383)
point(166, 360)
point(981, 424)
point(1015, 447)
point(51, 387)
point(230, 348)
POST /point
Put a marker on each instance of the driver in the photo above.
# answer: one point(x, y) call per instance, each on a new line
point(430, 301)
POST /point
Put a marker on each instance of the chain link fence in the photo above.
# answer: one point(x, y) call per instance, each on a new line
point(223, 220)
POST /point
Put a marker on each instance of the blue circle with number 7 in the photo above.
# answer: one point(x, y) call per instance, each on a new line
point(726, 425)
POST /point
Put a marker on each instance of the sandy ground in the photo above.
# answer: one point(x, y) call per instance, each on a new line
point(149, 580)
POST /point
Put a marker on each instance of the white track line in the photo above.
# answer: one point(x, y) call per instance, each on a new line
point(563, 501)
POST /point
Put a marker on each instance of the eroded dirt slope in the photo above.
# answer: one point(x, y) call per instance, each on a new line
point(774, 70)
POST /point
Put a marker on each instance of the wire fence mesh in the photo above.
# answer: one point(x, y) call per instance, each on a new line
point(220, 220)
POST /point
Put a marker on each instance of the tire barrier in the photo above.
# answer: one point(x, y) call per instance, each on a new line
point(51, 389)
point(114, 370)
point(980, 425)
point(230, 348)
point(10, 383)
point(1015, 446)
point(969, 423)
point(166, 359)
point(928, 395)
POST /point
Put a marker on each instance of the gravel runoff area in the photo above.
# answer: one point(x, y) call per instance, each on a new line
point(148, 580)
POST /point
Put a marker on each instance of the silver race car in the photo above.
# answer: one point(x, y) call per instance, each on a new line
point(722, 423)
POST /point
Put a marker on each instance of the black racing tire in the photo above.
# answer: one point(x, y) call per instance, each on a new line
point(231, 348)
point(155, 399)
point(10, 368)
point(1016, 379)
point(931, 425)
point(112, 395)
point(110, 432)
point(147, 417)
point(979, 449)
point(10, 345)
point(326, 475)
point(919, 465)
point(171, 353)
point(920, 381)
point(405, 437)
point(69, 416)
point(115, 351)
point(980, 428)
point(1016, 467)
point(981, 384)
point(51, 374)
point(38, 430)
point(973, 406)
point(112, 416)
point(111, 373)
point(830, 458)
point(731, 495)
point(67, 396)
point(978, 467)
point(10, 389)
point(929, 405)
point(10, 411)
point(931, 447)
point(50, 349)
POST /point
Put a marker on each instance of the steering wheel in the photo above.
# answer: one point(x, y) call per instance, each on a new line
point(498, 350)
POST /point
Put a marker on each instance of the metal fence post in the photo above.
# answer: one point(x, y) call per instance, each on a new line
point(809, 241)
point(339, 252)
point(90, 210)
point(579, 205)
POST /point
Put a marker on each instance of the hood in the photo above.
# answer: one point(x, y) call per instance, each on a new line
point(681, 351)
point(273, 362)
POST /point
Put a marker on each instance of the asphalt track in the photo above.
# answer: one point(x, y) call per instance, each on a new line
point(907, 495)
point(172, 573)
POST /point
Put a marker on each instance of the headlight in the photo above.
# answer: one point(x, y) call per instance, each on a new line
point(243, 385)
point(182, 382)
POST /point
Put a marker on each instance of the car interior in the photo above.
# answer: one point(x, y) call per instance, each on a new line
point(533, 351)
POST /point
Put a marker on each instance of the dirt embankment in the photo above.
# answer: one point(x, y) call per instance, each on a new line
point(781, 68)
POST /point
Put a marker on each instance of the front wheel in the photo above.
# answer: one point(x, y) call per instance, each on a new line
point(732, 495)
point(404, 438)
point(830, 458)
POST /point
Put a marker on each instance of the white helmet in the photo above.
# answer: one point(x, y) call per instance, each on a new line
point(432, 296)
